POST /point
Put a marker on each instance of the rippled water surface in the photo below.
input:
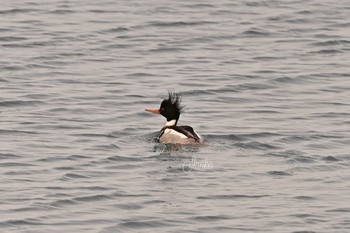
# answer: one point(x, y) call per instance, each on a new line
point(266, 83)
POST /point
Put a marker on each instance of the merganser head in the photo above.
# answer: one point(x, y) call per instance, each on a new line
point(170, 108)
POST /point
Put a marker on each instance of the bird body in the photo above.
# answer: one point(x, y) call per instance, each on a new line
point(171, 133)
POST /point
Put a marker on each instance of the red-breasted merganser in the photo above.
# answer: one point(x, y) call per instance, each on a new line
point(171, 133)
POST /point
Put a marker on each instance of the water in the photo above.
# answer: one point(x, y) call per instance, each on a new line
point(266, 83)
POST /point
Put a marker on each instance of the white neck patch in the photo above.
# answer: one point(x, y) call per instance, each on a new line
point(170, 123)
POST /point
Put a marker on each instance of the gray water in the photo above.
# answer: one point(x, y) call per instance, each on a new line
point(266, 83)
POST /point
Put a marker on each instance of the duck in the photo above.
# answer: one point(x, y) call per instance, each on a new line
point(171, 108)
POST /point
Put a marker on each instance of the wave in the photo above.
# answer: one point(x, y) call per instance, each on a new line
point(179, 23)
